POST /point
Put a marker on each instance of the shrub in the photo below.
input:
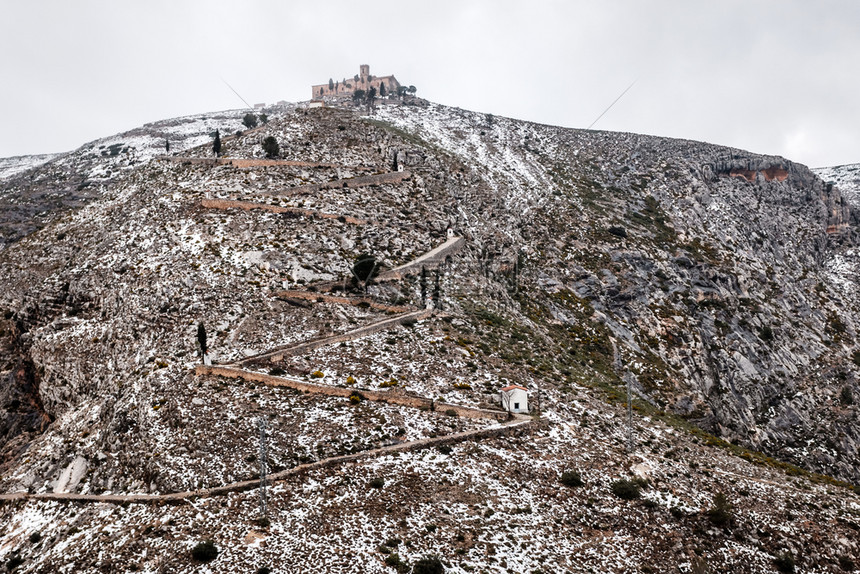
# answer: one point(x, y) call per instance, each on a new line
point(377, 482)
point(386, 384)
point(721, 513)
point(618, 231)
point(392, 542)
point(430, 527)
point(571, 478)
point(317, 374)
point(204, 551)
point(270, 146)
point(451, 413)
point(465, 386)
point(35, 537)
point(428, 565)
point(846, 563)
point(14, 562)
point(394, 561)
point(366, 267)
point(264, 570)
point(249, 121)
point(277, 371)
point(784, 563)
point(444, 449)
point(626, 489)
point(846, 395)
point(355, 398)
point(350, 380)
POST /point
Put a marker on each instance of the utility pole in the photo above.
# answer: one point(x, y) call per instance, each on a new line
point(262, 423)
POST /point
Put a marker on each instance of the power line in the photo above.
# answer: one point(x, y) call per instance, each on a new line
point(250, 107)
point(612, 104)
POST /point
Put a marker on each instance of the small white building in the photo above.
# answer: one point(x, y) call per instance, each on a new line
point(515, 399)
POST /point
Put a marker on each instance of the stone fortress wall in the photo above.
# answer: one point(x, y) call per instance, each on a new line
point(347, 86)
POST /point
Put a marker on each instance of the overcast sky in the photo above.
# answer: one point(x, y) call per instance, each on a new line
point(771, 76)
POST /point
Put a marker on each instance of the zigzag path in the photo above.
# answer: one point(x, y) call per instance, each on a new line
point(277, 354)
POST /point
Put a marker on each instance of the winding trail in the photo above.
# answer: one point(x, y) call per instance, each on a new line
point(518, 424)
point(250, 205)
point(321, 298)
point(246, 162)
point(432, 258)
point(276, 355)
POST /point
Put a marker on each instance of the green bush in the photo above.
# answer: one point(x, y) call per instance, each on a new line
point(35, 537)
point(204, 551)
point(627, 489)
point(249, 121)
point(264, 570)
point(395, 562)
point(270, 146)
point(846, 563)
point(444, 449)
point(428, 565)
point(377, 482)
point(451, 413)
point(784, 563)
point(14, 562)
point(571, 478)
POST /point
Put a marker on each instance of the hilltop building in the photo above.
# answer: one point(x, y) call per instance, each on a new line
point(361, 81)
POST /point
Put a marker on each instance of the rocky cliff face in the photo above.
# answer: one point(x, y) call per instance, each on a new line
point(721, 282)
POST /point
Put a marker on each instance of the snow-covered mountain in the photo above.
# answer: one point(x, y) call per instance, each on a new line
point(720, 285)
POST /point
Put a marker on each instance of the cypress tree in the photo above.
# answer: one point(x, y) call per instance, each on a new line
point(201, 337)
point(216, 145)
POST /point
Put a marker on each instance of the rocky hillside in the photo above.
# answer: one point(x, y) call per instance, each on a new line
point(35, 189)
point(718, 283)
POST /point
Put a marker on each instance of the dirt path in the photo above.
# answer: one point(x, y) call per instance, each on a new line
point(250, 205)
point(352, 182)
point(432, 258)
point(320, 298)
point(243, 163)
point(391, 396)
point(517, 424)
point(278, 354)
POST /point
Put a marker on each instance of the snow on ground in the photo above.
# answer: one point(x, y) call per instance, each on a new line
point(10, 166)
